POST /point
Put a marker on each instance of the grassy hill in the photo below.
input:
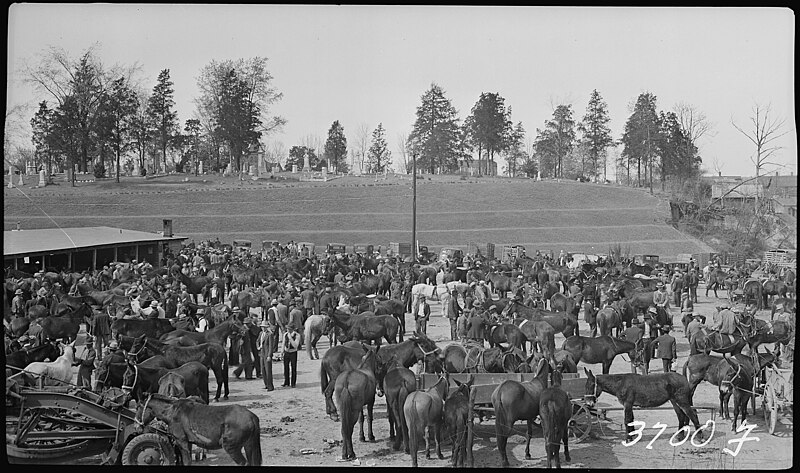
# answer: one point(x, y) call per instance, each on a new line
point(545, 215)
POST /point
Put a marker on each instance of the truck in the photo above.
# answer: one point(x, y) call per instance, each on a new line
point(509, 252)
point(305, 248)
point(649, 260)
point(336, 248)
point(363, 249)
point(239, 245)
point(401, 250)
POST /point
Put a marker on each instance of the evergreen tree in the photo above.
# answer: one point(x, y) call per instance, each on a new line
point(554, 143)
point(489, 125)
point(434, 138)
point(238, 118)
point(640, 137)
point(117, 111)
point(596, 135)
point(336, 148)
point(192, 132)
point(378, 157)
point(42, 125)
point(163, 119)
point(515, 152)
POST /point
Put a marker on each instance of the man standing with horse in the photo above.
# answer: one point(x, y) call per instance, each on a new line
point(86, 364)
point(452, 314)
point(266, 347)
point(422, 315)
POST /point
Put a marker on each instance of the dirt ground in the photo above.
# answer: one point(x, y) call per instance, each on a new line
point(295, 431)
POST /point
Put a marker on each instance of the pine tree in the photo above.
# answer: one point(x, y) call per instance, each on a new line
point(596, 134)
point(378, 157)
point(640, 137)
point(336, 148)
point(434, 139)
point(162, 117)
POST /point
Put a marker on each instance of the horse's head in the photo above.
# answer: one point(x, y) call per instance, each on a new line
point(463, 388)
point(592, 390)
point(733, 377)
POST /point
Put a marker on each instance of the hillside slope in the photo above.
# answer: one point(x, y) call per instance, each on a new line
point(545, 215)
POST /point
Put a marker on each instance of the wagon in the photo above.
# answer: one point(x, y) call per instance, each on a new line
point(59, 424)
point(485, 383)
point(778, 395)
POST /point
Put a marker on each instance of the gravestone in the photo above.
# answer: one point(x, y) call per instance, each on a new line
point(325, 173)
point(42, 178)
point(306, 163)
point(21, 182)
point(136, 170)
point(11, 171)
point(251, 171)
point(200, 168)
point(294, 168)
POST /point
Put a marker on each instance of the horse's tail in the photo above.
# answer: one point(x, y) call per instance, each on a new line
point(549, 416)
point(307, 333)
point(411, 418)
point(402, 394)
point(253, 445)
point(685, 367)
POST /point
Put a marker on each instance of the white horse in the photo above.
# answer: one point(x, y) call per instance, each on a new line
point(53, 373)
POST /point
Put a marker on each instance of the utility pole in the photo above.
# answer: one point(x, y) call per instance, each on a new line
point(414, 206)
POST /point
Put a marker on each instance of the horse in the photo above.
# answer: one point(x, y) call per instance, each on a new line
point(738, 381)
point(395, 308)
point(561, 322)
point(354, 389)
point(608, 318)
point(152, 328)
point(218, 334)
point(475, 359)
point(500, 284)
point(424, 409)
point(110, 373)
point(456, 417)
point(210, 427)
point(398, 383)
point(66, 327)
point(139, 380)
point(706, 342)
point(650, 390)
point(506, 333)
point(778, 332)
point(716, 279)
point(367, 326)
point(555, 410)
point(715, 370)
point(194, 286)
point(211, 355)
point(173, 385)
point(22, 358)
point(601, 349)
point(53, 373)
point(753, 291)
point(540, 333)
point(315, 326)
point(513, 401)
point(773, 288)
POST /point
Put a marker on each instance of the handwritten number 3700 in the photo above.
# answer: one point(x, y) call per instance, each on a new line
point(639, 427)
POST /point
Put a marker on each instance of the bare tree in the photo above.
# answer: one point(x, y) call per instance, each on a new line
point(276, 152)
point(363, 135)
point(693, 122)
point(766, 129)
point(402, 151)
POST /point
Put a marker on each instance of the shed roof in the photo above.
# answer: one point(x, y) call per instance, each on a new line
point(58, 239)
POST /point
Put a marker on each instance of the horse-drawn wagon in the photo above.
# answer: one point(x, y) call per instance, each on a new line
point(59, 424)
point(777, 395)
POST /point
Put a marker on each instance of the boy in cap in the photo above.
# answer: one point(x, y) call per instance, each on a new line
point(86, 363)
point(291, 344)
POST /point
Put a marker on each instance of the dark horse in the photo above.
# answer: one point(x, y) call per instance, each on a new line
point(555, 410)
point(506, 333)
point(211, 427)
point(66, 326)
point(513, 401)
point(650, 390)
point(218, 334)
point(474, 359)
point(211, 355)
point(560, 321)
point(153, 328)
point(773, 288)
point(730, 375)
point(355, 388)
point(425, 409)
point(139, 380)
point(395, 308)
point(601, 349)
point(367, 326)
point(456, 417)
point(398, 383)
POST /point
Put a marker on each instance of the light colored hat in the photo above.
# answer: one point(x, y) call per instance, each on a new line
point(18, 292)
point(476, 304)
point(519, 276)
point(264, 323)
point(113, 344)
point(724, 305)
point(737, 309)
point(659, 284)
point(652, 310)
point(274, 302)
point(247, 320)
point(235, 308)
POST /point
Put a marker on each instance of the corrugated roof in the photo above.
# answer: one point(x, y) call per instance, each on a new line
point(56, 239)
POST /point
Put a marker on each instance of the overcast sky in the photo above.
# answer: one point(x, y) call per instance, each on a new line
point(371, 64)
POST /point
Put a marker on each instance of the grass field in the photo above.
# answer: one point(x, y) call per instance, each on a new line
point(545, 215)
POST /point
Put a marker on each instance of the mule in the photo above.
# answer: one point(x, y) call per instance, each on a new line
point(211, 355)
point(715, 370)
point(541, 334)
point(651, 390)
point(513, 401)
point(355, 388)
point(456, 418)
point(22, 358)
point(555, 410)
point(395, 308)
point(398, 383)
point(601, 349)
point(139, 380)
point(367, 327)
point(218, 334)
point(231, 427)
point(609, 318)
point(425, 409)
point(561, 322)
point(506, 333)
point(773, 288)
point(66, 327)
point(705, 342)
point(172, 385)
point(53, 373)
point(475, 359)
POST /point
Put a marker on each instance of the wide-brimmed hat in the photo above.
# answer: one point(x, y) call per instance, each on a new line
point(274, 302)
point(724, 305)
point(235, 308)
point(18, 292)
point(23, 339)
point(328, 289)
point(113, 344)
point(247, 320)
point(659, 285)
point(736, 309)
point(476, 304)
point(291, 326)
point(89, 339)
point(264, 323)
point(652, 310)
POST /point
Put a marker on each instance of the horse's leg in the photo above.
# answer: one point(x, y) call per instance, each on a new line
point(186, 451)
point(427, 431)
point(235, 452)
point(361, 425)
point(628, 420)
point(528, 434)
point(438, 430)
point(370, 435)
point(330, 406)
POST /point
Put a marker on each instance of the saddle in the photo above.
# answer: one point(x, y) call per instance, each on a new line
point(473, 357)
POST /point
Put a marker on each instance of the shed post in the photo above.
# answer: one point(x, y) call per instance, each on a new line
point(94, 259)
point(470, 461)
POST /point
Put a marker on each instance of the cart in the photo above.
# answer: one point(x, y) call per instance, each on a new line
point(60, 424)
point(778, 394)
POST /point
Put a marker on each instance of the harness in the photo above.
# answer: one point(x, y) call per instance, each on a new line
point(426, 354)
point(144, 408)
point(128, 389)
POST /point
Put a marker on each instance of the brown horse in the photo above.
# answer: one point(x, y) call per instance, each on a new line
point(425, 409)
point(211, 427)
point(355, 388)
point(601, 349)
point(561, 322)
point(456, 417)
point(555, 410)
point(475, 359)
point(773, 288)
point(540, 334)
point(367, 326)
point(398, 383)
point(513, 401)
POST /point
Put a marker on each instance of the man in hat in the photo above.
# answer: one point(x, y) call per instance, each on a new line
point(694, 327)
point(422, 316)
point(480, 291)
point(327, 303)
point(692, 280)
point(650, 321)
point(475, 324)
point(202, 322)
point(266, 347)
point(272, 320)
point(308, 299)
point(666, 347)
point(724, 320)
point(101, 330)
point(86, 363)
point(245, 353)
point(18, 304)
point(291, 344)
point(296, 315)
point(282, 311)
point(453, 312)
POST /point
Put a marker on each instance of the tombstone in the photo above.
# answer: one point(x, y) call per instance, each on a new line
point(262, 166)
point(325, 173)
point(42, 178)
point(294, 168)
point(306, 163)
point(136, 170)
point(228, 170)
point(21, 182)
point(200, 168)
point(251, 171)
point(11, 171)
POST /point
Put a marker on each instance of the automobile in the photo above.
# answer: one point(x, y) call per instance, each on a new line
point(336, 248)
point(579, 258)
point(450, 254)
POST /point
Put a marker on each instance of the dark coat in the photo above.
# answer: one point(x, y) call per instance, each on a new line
point(667, 347)
point(101, 325)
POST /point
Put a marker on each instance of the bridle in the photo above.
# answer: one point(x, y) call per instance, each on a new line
point(136, 418)
point(128, 389)
point(426, 354)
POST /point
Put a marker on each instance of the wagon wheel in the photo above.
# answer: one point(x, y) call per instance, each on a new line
point(580, 424)
point(148, 449)
point(44, 450)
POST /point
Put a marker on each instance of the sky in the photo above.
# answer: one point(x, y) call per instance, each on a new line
point(364, 65)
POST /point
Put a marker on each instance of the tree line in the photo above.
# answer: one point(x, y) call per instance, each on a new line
point(99, 119)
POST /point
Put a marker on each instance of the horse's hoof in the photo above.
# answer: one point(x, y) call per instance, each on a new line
point(441, 457)
point(334, 418)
